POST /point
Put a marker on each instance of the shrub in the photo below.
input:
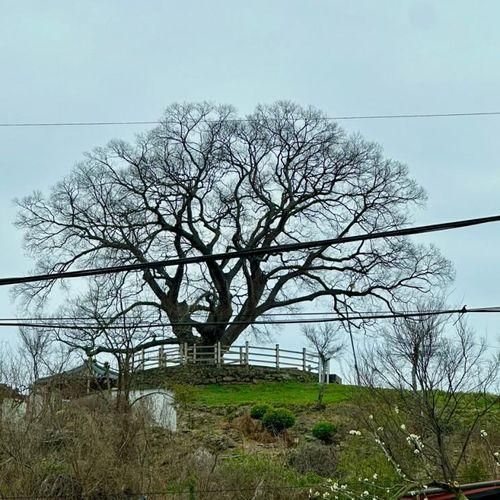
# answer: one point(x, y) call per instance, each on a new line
point(315, 458)
point(258, 411)
point(324, 431)
point(276, 420)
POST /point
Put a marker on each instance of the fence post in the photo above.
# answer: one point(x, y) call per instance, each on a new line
point(304, 359)
point(160, 357)
point(247, 357)
point(194, 353)
point(184, 355)
point(277, 356)
point(219, 354)
point(241, 354)
point(143, 359)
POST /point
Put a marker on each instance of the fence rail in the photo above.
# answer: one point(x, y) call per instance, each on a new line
point(244, 355)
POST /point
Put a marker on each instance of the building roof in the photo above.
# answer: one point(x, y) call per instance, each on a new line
point(8, 392)
point(97, 371)
point(483, 490)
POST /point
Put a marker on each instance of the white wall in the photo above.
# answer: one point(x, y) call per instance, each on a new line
point(160, 404)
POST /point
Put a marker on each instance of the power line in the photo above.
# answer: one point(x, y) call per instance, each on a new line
point(325, 118)
point(178, 492)
point(253, 252)
point(200, 315)
point(332, 319)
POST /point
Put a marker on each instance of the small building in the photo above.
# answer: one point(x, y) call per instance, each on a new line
point(87, 380)
point(78, 381)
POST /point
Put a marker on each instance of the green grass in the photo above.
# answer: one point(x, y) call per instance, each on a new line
point(273, 393)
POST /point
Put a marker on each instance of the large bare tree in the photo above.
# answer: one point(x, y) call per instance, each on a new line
point(206, 181)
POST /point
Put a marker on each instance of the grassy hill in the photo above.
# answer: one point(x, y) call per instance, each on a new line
point(273, 393)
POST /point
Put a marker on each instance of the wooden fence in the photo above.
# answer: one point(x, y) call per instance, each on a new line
point(243, 355)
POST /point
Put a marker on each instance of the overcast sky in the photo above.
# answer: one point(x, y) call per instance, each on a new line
point(108, 60)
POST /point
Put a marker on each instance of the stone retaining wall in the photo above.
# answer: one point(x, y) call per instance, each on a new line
point(223, 374)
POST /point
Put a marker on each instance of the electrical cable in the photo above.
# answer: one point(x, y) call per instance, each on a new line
point(163, 493)
point(324, 118)
point(199, 315)
point(358, 317)
point(253, 252)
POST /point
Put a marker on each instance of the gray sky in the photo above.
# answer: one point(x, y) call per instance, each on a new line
point(127, 60)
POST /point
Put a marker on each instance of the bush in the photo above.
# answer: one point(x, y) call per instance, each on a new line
point(258, 411)
point(314, 458)
point(276, 420)
point(324, 431)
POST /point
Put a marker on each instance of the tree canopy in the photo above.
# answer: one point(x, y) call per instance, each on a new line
point(206, 181)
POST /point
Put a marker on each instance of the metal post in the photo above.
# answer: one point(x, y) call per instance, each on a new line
point(277, 356)
point(247, 357)
point(160, 357)
point(304, 359)
point(219, 354)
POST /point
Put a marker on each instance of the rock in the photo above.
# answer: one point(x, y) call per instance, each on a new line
point(61, 486)
point(220, 443)
point(203, 459)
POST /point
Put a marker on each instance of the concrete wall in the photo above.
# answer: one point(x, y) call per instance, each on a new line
point(160, 405)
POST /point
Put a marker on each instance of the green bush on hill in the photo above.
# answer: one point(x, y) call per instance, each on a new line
point(324, 431)
point(258, 411)
point(276, 420)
